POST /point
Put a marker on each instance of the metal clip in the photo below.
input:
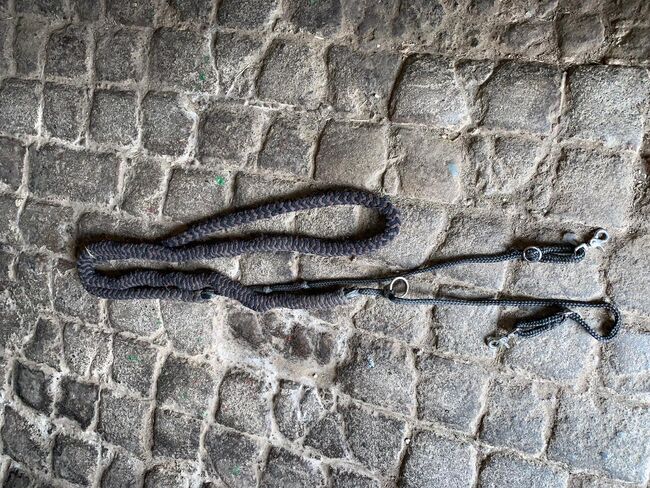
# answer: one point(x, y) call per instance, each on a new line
point(600, 237)
point(398, 280)
point(498, 342)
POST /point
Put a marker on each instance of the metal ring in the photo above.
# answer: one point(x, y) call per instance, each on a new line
point(397, 280)
point(602, 235)
point(538, 253)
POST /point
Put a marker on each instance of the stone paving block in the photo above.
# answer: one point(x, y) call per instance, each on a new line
point(113, 117)
point(435, 461)
point(85, 10)
point(18, 106)
point(70, 297)
point(501, 470)
point(633, 46)
point(604, 435)
point(292, 73)
point(166, 126)
point(45, 345)
point(522, 97)
point(450, 392)
point(123, 470)
point(342, 478)
point(377, 371)
point(417, 18)
point(119, 55)
point(387, 433)
point(8, 225)
point(231, 456)
point(133, 364)
point(625, 363)
point(428, 166)
point(33, 387)
point(229, 133)
point(137, 316)
point(360, 82)
point(629, 274)
point(63, 111)
point(284, 468)
point(181, 58)
point(243, 403)
point(66, 52)
point(610, 177)
point(7, 260)
point(143, 187)
point(193, 195)
point(129, 12)
point(54, 170)
point(53, 8)
point(351, 155)
point(426, 92)
point(73, 459)
point(11, 162)
point(535, 38)
point(297, 408)
point(248, 14)
point(595, 482)
point(235, 56)
point(287, 146)
point(23, 439)
point(45, 225)
point(172, 474)
point(31, 273)
point(607, 104)
point(321, 18)
point(192, 10)
point(185, 386)
point(85, 350)
point(77, 400)
point(122, 421)
point(17, 478)
point(579, 36)
point(518, 415)
point(409, 324)
point(30, 37)
point(175, 435)
point(268, 268)
point(327, 437)
point(188, 325)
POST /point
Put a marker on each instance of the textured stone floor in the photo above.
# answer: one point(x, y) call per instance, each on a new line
point(488, 121)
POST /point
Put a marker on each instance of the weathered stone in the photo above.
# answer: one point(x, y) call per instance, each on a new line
point(268, 268)
point(410, 324)
point(517, 415)
point(32, 273)
point(23, 440)
point(175, 435)
point(33, 387)
point(610, 177)
point(85, 351)
point(17, 478)
point(132, 13)
point(73, 459)
point(342, 478)
point(143, 187)
point(124, 470)
point(231, 456)
point(165, 124)
point(47, 8)
point(604, 435)
point(18, 106)
point(66, 52)
point(450, 392)
point(44, 225)
point(360, 82)
point(184, 386)
point(377, 371)
point(168, 474)
point(181, 58)
point(133, 364)
point(63, 111)
point(137, 316)
point(192, 10)
point(633, 45)
point(30, 37)
point(188, 325)
point(297, 408)
point(606, 104)
point(326, 436)
point(505, 470)
point(417, 19)
point(243, 403)
point(435, 461)
point(70, 297)
point(85, 10)
point(426, 92)
point(193, 195)
point(248, 14)
point(235, 55)
point(12, 154)
point(54, 172)
point(625, 363)
point(292, 73)
point(9, 208)
point(351, 154)
point(522, 97)
point(287, 146)
point(428, 165)
point(595, 482)
point(113, 117)
point(387, 434)
point(285, 468)
point(119, 55)
point(629, 274)
point(77, 401)
point(122, 421)
point(580, 36)
point(45, 345)
point(534, 38)
point(323, 18)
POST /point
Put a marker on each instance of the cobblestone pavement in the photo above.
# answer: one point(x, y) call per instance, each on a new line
point(488, 121)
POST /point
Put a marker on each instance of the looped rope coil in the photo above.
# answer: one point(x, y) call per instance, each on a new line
point(191, 245)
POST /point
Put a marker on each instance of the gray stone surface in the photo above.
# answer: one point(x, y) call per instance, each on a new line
point(502, 470)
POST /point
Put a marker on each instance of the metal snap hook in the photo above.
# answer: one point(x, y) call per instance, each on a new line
point(599, 238)
point(498, 342)
point(398, 280)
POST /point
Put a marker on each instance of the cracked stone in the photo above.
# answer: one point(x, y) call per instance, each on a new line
point(323, 18)
point(32, 273)
point(11, 162)
point(231, 456)
point(16, 478)
point(133, 364)
point(194, 195)
point(137, 316)
point(23, 440)
point(580, 35)
point(518, 414)
point(45, 345)
point(188, 325)
point(85, 350)
point(605, 103)
point(70, 297)
point(175, 435)
point(248, 14)
point(168, 474)
point(235, 56)
point(342, 478)
point(119, 55)
point(429, 166)
point(287, 146)
point(44, 225)
point(165, 125)
point(439, 397)
point(243, 403)
point(409, 324)
point(124, 470)
point(113, 117)
point(185, 386)
point(73, 459)
point(33, 387)
point(18, 106)
point(122, 421)
point(426, 92)
point(143, 187)
point(522, 96)
point(66, 52)
point(633, 45)
point(297, 408)
point(625, 365)
point(63, 111)
point(417, 18)
point(432, 460)
point(505, 470)
point(284, 468)
point(77, 401)
point(629, 274)
point(30, 37)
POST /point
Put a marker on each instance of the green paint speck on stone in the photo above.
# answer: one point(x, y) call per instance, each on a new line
point(220, 180)
point(202, 76)
point(236, 470)
point(133, 358)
